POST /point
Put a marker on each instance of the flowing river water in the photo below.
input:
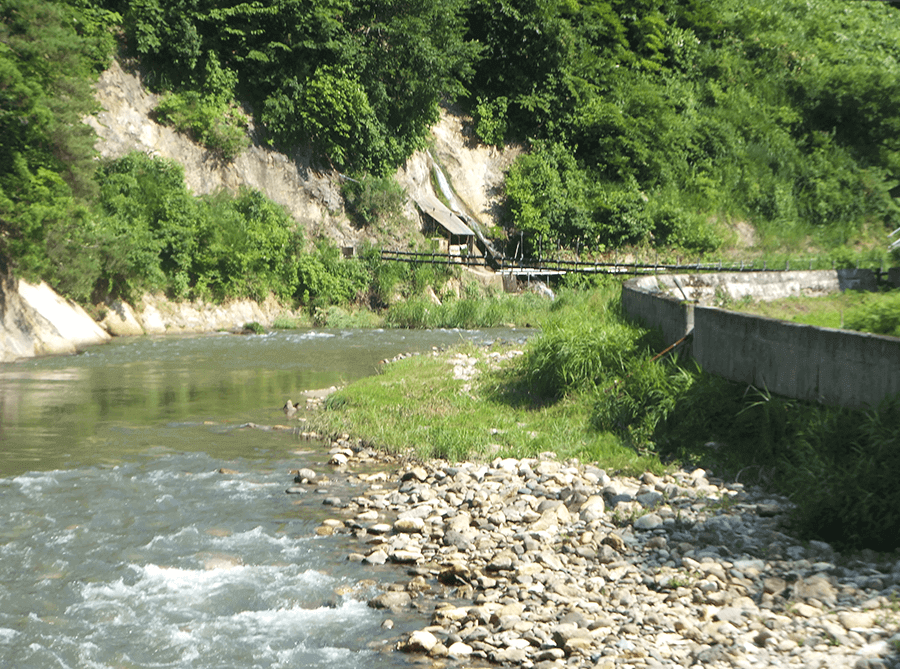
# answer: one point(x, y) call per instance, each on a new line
point(121, 544)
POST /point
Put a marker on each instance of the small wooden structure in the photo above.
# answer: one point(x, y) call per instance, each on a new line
point(439, 218)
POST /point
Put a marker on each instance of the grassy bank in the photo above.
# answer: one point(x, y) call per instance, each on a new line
point(878, 313)
point(590, 386)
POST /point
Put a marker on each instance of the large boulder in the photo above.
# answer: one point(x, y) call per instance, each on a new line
point(120, 320)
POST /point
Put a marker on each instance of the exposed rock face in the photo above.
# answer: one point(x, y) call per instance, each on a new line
point(121, 321)
point(313, 198)
point(477, 172)
point(124, 125)
point(157, 315)
point(34, 320)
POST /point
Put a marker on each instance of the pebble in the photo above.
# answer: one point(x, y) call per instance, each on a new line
point(548, 564)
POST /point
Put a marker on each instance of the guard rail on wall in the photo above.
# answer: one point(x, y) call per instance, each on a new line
point(816, 364)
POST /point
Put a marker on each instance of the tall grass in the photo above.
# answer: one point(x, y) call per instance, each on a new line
point(879, 315)
point(840, 466)
point(585, 343)
point(525, 310)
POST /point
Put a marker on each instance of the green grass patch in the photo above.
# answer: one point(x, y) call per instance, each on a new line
point(417, 405)
point(525, 310)
point(875, 312)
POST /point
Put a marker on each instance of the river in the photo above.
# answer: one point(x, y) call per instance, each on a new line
point(121, 543)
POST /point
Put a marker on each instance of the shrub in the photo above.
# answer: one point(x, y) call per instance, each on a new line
point(490, 120)
point(879, 316)
point(371, 199)
point(325, 278)
point(214, 123)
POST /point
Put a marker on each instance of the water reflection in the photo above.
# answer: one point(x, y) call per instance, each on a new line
point(118, 398)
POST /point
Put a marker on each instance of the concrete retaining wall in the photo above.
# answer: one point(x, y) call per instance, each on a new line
point(645, 302)
point(836, 367)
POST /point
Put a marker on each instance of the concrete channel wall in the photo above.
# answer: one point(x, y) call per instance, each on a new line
point(836, 367)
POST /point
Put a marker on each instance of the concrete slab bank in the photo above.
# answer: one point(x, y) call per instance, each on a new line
point(837, 367)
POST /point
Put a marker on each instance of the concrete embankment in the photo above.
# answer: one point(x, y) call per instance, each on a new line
point(540, 563)
point(837, 367)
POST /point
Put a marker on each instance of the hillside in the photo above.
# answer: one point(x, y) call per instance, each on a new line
point(668, 125)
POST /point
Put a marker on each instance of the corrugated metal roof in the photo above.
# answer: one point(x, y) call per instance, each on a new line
point(430, 205)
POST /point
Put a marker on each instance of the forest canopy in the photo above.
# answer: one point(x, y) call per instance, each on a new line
point(647, 121)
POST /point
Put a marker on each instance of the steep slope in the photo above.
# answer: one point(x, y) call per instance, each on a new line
point(312, 197)
point(125, 125)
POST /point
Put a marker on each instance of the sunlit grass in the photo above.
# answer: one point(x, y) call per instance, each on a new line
point(416, 405)
point(848, 309)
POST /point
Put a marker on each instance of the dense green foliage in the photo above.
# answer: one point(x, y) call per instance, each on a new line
point(210, 120)
point(651, 119)
point(372, 200)
point(880, 316)
point(166, 239)
point(49, 53)
point(360, 79)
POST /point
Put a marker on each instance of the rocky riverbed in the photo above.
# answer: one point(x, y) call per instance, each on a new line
point(541, 563)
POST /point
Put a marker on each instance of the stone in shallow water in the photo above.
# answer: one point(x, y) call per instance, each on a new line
point(459, 650)
point(404, 556)
point(420, 641)
point(377, 556)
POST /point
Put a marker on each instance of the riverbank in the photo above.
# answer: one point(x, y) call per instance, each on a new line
point(547, 563)
point(36, 321)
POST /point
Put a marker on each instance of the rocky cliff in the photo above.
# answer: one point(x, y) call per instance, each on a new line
point(34, 321)
point(125, 125)
point(312, 197)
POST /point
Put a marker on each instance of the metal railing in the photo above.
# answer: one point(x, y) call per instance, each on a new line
point(434, 258)
point(553, 266)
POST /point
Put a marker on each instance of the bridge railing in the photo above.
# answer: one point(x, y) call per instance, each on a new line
point(561, 266)
point(433, 258)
